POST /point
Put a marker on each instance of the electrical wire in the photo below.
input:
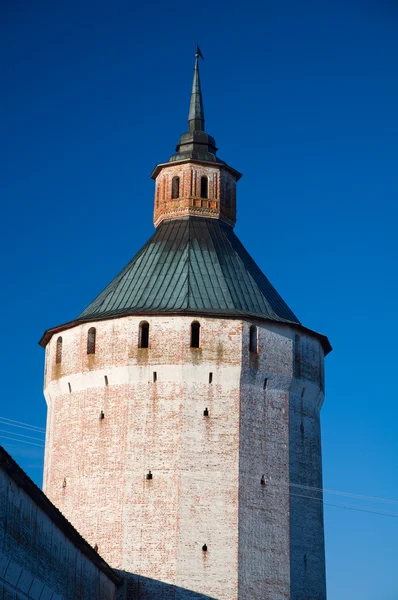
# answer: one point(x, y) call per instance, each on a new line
point(348, 494)
point(22, 435)
point(346, 506)
point(41, 430)
point(23, 425)
point(21, 441)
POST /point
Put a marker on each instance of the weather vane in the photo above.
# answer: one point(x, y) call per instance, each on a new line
point(198, 52)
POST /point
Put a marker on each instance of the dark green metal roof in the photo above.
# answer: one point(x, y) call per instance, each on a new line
point(191, 265)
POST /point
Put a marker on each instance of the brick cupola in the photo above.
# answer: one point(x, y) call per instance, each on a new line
point(195, 182)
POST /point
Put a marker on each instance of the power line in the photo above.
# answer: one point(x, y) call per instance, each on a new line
point(347, 506)
point(26, 425)
point(21, 441)
point(22, 435)
point(21, 427)
point(344, 506)
point(348, 494)
point(41, 430)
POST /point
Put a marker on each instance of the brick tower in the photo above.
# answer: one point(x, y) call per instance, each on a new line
point(183, 431)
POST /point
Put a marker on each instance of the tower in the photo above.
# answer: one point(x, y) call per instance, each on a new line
point(184, 406)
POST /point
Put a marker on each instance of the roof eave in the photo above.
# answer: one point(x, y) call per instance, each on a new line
point(47, 335)
point(221, 165)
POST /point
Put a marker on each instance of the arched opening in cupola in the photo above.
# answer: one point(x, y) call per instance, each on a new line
point(175, 188)
point(228, 193)
point(204, 187)
point(143, 335)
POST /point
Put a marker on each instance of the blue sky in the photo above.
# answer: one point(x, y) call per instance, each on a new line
point(302, 99)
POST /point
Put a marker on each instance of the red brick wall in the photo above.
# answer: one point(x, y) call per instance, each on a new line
point(221, 201)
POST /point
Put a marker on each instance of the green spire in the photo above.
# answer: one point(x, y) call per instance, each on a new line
point(196, 118)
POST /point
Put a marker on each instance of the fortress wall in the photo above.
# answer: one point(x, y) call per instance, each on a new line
point(155, 528)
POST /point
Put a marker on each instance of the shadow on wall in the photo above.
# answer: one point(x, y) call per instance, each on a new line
point(144, 588)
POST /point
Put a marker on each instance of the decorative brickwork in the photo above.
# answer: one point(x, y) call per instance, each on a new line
point(219, 201)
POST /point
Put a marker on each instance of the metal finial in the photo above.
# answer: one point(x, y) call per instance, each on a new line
point(198, 53)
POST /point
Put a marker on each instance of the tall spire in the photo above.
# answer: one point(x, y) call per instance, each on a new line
point(196, 118)
point(196, 144)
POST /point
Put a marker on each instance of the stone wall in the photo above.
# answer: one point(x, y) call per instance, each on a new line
point(95, 469)
point(307, 552)
point(281, 540)
point(41, 555)
point(263, 540)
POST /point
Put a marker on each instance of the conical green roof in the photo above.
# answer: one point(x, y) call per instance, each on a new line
point(191, 265)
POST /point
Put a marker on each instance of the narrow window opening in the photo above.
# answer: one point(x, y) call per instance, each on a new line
point(91, 340)
point(204, 185)
point(204, 547)
point(195, 334)
point(149, 475)
point(70, 387)
point(96, 548)
point(206, 412)
point(263, 482)
point(253, 339)
point(102, 416)
point(143, 338)
point(106, 379)
point(155, 377)
point(210, 377)
point(265, 384)
point(58, 357)
point(228, 193)
point(175, 188)
point(64, 483)
point(297, 356)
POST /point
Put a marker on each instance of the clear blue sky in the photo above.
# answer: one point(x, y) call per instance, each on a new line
point(302, 98)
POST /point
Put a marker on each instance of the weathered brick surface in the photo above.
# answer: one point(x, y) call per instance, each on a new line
point(281, 553)
point(206, 486)
point(221, 200)
point(37, 559)
point(152, 527)
point(307, 553)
